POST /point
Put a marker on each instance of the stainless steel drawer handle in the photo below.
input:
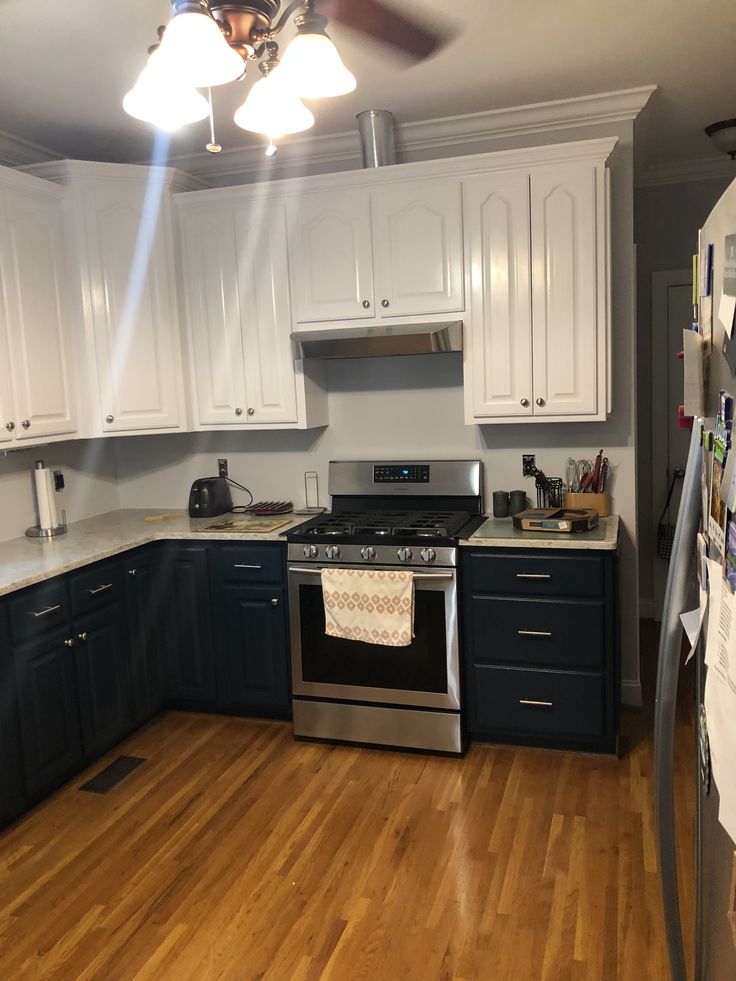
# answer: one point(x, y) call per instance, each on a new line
point(49, 609)
point(533, 575)
point(534, 633)
point(437, 576)
point(536, 702)
point(99, 589)
point(243, 565)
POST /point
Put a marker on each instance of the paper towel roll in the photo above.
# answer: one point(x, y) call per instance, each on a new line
point(47, 516)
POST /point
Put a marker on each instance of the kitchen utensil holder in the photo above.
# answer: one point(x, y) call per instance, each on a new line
point(595, 502)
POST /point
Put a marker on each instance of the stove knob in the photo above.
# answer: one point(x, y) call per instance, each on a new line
point(368, 552)
point(428, 555)
point(404, 554)
point(311, 551)
point(332, 552)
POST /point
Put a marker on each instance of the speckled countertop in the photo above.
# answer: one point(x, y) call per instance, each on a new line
point(500, 533)
point(24, 561)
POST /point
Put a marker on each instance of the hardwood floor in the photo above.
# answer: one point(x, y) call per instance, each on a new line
point(236, 853)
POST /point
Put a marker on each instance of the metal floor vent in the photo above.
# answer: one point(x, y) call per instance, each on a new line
point(107, 779)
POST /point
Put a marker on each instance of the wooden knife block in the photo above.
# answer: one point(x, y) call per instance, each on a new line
point(598, 502)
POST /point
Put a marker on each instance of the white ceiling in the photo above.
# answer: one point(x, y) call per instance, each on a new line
point(64, 67)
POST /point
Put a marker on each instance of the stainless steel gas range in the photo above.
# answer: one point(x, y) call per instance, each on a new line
point(386, 515)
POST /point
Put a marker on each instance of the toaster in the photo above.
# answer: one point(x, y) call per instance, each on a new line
point(209, 496)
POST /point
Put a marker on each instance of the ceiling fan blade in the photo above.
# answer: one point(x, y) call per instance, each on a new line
point(372, 18)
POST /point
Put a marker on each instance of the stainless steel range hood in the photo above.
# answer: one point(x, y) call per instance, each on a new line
point(381, 340)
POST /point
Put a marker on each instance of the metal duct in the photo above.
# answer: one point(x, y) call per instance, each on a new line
point(376, 131)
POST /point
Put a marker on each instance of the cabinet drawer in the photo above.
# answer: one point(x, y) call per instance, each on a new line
point(93, 588)
point(252, 563)
point(537, 703)
point(549, 632)
point(38, 609)
point(536, 575)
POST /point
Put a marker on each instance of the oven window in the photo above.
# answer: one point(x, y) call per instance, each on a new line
point(422, 666)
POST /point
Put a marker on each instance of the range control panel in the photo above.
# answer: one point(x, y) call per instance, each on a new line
point(400, 473)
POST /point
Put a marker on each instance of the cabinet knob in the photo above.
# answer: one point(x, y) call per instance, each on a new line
point(109, 418)
point(251, 412)
point(131, 572)
point(26, 424)
point(238, 411)
point(69, 642)
point(10, 426)
point(366, 304)
point(384, 303)
point(274, 602)
point(83, 635)
point(525, 402)
point(540, 401)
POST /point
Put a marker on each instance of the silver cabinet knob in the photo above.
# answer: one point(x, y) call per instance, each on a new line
point(404, 554)
point(384, 303)
point(251, 412)
point(10, 426)
point(83, 635)
point(110, 418)
point(368, 552)
point(238, 412)
point(274, 602)
point(311, 551)
point(540, 401)
point(69, 642)
point(428, 555)
point(525, 402)
point(366, 304)
point(26, 424)
point(131, 572)
point(332, 552)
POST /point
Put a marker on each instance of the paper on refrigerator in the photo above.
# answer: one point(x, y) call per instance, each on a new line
point(692, 344)
point(692, 621)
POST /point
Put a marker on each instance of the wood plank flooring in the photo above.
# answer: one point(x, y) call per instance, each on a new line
point(236, 853)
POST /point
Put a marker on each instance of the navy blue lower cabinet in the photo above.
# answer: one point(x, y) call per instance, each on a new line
point(146, 613)
point(12, 795)
point(540, 647)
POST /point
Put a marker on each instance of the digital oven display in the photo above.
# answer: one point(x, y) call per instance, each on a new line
point(401, 473)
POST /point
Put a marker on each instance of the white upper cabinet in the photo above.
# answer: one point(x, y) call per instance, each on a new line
point(331, 256)
point(418, 248)
point(38, 399)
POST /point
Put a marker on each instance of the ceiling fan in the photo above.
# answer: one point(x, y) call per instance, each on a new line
point(209, 42)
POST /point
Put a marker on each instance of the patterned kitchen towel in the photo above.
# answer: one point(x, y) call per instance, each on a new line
point(372, 605)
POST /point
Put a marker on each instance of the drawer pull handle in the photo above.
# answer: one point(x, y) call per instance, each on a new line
point(533, 575)
point(49, 609)
point(534, 633)
point(99, 589)
point(536, 702)
point(243, 565)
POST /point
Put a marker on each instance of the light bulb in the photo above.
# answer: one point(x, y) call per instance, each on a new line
point(195, 51)
point(167, 103)
point(273, 109)
point(314, 67)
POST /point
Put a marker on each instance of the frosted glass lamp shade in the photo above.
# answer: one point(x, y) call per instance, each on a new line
point(315, 69)
point(194, 50)
point(168, 104)
point(273, 109)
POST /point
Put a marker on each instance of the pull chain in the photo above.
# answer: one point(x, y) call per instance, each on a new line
point(213, 146)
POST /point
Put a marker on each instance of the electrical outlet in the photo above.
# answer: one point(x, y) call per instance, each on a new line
point(58, 480)
point(528, 464)
point(222, 466)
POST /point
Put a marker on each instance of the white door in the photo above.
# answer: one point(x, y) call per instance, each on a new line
point(418, 248)
point(265, 316)
point(8, 420)
point(330, 256)
point(134, 308)
point(33, 274)
point(565, 263)
point(214, 316)
point(498, 355)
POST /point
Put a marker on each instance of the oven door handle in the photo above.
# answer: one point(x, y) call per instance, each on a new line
point(438, 576)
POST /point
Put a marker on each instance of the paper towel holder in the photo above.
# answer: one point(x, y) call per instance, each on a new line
point(37, 531)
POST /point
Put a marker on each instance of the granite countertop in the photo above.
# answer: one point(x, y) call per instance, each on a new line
point(500, 533)
point(25, 561)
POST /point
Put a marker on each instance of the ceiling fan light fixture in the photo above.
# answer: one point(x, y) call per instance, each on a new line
point(312, 63)
point(194, 51)
point(723, 134)
point(156, 98)
point(273, 109)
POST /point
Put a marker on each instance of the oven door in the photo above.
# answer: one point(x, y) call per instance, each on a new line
point(425, 673)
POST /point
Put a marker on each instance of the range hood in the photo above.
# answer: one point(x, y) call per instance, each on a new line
point(381, 340)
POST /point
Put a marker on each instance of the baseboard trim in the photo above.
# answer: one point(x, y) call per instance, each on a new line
point(631, 696)
point(646, 609)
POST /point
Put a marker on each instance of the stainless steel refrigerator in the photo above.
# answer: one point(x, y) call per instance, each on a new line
point(715, 953)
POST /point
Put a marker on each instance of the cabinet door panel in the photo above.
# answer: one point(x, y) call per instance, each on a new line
point(498, 352)
point(144, 602)
point(418, 248)
point(330, 256)
point(211, 275)
point(565, 261)
point(33, 277)
point(266, 317)
point(189, 629)
point(104, 689)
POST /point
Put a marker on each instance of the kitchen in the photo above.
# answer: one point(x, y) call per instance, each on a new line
point(413, 403)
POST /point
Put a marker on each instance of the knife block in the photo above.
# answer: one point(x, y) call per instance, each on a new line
point(598, 502)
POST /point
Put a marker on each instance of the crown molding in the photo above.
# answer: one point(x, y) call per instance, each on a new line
point(64, 171)
point(457, 134)
point(17, 152)
point(682, 171)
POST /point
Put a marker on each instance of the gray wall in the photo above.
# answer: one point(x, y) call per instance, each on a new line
point(666, 223)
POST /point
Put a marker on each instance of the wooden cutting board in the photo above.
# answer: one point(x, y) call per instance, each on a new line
point(249, 524)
